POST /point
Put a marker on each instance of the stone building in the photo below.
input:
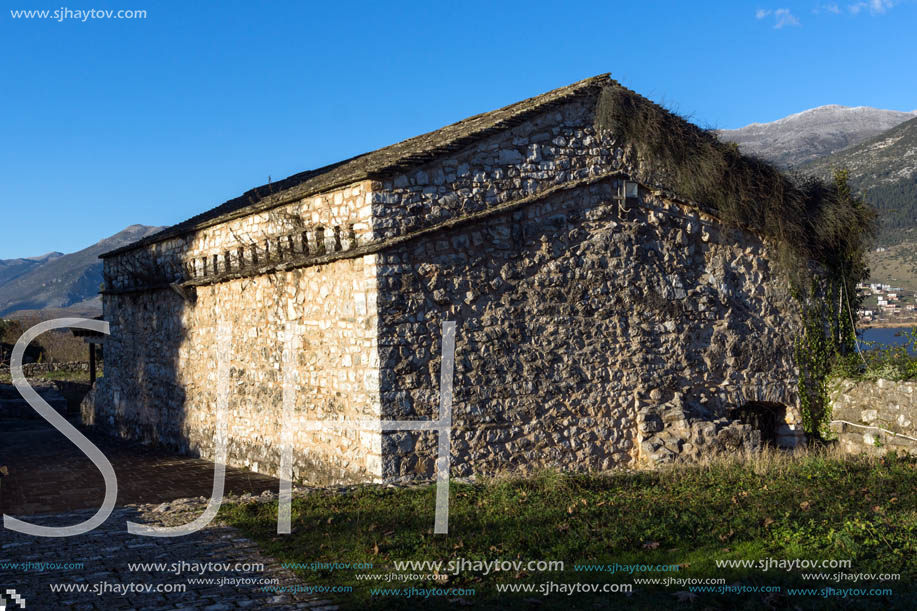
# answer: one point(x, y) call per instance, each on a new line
point(602, 319)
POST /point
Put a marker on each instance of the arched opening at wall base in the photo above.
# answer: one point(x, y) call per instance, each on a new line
point(768, 418)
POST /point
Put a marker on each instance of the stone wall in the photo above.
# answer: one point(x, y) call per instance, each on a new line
point(161, 385)
point(875, 416)
point(590, 334)
point(37, 369)
point(552, 148)
point(328, 222)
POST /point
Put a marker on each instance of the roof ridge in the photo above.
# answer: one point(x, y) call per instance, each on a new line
point(407, 153)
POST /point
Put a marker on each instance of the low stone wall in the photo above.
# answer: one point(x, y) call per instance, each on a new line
point(875, 417)
point(36, 369)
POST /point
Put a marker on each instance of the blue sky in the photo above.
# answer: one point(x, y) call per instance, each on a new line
point(110, 122)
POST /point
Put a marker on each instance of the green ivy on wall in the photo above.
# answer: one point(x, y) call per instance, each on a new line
point(829, 306)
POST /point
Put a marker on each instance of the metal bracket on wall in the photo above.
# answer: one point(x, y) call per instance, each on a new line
point(189, 293)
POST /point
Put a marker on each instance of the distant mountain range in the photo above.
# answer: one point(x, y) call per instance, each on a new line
point(69, 283)
point(884, 169)
point(878, 147)
point(812, 134)
point(13, 268)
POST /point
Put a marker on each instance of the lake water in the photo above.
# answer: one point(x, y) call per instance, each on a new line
point(887, 337)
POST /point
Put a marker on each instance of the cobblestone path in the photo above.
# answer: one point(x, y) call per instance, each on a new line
point(52, 483)
point(48, 474)
point(107, 553)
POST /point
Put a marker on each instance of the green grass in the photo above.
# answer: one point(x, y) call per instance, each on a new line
point(817, 506)
point(60, 376)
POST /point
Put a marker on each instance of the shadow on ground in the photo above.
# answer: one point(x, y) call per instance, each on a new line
point(48, 474)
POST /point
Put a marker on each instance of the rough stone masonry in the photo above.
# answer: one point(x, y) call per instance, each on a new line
point(602, 321)
point(875, 416)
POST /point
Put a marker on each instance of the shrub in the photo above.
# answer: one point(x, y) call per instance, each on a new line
point(809, 219)
point(59, 346)
point(875, 362)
